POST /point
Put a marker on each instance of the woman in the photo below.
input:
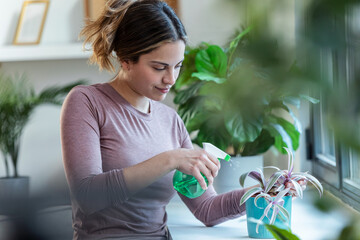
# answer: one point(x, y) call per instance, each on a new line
point(120, 145)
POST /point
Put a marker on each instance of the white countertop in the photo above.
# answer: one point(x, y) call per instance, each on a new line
point(307, 223)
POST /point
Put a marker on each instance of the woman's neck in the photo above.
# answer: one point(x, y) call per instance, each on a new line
point(139, 102)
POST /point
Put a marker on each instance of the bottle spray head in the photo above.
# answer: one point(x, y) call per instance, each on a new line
point(218, 153)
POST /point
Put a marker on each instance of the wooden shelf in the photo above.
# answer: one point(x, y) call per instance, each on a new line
point(12, 53)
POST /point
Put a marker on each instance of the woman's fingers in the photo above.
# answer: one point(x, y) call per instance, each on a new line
point(208, 174)
point(214, 159)
point(200, 179)
point(204, 167)
point(198, 163)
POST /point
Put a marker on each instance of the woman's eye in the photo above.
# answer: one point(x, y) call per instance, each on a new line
point(159, 68)
point(179, 66)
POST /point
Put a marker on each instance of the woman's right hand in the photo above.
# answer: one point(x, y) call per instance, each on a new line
point(194, 162)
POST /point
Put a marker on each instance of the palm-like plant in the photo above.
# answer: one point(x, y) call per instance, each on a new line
point(17, 102)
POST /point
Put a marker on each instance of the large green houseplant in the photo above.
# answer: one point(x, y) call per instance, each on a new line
point(231, 98)
point(18, 100)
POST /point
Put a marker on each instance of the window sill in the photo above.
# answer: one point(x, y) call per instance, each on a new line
point(307, 223)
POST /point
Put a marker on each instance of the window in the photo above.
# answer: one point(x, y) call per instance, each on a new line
point(336, 163)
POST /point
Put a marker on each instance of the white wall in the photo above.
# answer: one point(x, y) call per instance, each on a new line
point(212, 21)
point(40, 154)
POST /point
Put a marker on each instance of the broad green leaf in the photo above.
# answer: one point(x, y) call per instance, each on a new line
point(292, 132)
point(242, 129)
point(214, 132)
point(281, 234)
point(184, 79)
point(310, 99)
point(196, 121)
point(188, 67)
point(185, 94)
point(189, 109)
point(261, 144)
point(213, 60)
point(208, 77)
point(297, 123)
point(292, 100)
point(284, 133)
point(282, 139)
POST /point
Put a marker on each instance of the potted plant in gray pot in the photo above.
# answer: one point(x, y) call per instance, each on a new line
point(231, 98)
point(17, 102)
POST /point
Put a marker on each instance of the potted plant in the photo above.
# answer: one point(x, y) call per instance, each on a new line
point(270, 202)
point(231, 98)
point(17, 102)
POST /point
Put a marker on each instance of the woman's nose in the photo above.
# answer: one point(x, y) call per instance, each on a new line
point(170, 77)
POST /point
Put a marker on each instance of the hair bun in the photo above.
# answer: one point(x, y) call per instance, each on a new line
point(131, 32)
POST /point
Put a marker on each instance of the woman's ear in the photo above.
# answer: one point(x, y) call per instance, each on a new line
point(125, 65)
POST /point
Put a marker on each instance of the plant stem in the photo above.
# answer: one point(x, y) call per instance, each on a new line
point(15, 155)
point(6, 165)
point(238, 147)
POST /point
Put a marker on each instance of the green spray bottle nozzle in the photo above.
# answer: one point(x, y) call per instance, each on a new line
point(218, 153)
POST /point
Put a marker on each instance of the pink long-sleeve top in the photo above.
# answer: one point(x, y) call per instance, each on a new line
point(102, 134)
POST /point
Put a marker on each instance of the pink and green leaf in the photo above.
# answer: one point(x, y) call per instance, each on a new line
point(273, 179)
point(258, 176)
point(298, 189)
point(281, 194)
point(249, 194)
point(283, 211)
point(266, 196)
point(314, 182)
point(274, 214)
point(290, 159)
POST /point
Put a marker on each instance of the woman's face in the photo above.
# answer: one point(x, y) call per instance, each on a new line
point(156, 72)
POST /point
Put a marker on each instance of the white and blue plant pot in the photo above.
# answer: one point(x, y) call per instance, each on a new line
point(255, 212)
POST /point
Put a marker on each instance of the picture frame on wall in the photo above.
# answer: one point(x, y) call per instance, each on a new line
point(174, 5)
point(31, 22)
point(93, 9)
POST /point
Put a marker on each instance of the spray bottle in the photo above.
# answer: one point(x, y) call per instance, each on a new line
point(187, 184)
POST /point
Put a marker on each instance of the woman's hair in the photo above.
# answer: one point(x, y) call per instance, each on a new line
point(130, 28)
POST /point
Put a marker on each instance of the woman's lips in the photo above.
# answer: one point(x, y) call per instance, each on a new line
point(163, 90)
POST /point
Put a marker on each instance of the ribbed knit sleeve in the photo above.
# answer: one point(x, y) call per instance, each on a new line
point(212, 209)
point(90, 187)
